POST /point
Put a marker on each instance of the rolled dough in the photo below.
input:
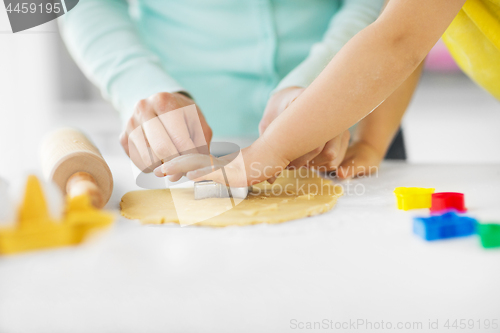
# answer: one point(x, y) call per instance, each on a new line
point(293, 196)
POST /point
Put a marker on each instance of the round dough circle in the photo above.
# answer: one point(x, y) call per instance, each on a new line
point(291, 197)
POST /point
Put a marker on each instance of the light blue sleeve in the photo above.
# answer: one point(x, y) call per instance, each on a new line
point(102, 38)
point(354, 16)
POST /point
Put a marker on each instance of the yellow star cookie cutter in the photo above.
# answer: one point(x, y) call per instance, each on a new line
point(35, 229)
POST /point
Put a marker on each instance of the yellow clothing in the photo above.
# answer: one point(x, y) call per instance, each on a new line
point(473, 39)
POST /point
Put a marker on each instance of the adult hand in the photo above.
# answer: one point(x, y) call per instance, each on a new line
point(162, 127)
point(324, 158)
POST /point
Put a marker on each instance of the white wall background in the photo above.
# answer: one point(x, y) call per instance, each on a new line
point(451, 120)
point(40, 89)
point(28, 89)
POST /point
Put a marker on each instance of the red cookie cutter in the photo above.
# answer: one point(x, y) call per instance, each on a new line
point(442, 201)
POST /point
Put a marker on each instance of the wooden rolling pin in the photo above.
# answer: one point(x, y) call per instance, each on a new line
point(71, 161)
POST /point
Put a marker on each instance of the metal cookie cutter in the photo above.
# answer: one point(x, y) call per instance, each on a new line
point(209, 189)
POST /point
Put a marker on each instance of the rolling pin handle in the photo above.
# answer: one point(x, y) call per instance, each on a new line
point(70, 160)
point(83, 183)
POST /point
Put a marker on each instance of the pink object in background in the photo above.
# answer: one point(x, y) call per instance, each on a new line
point(440, 60)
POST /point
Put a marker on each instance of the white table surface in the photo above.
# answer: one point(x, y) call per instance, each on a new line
point(359, 261)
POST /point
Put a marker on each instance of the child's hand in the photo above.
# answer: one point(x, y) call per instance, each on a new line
point(252, 165)
point(162, 127)
point(325, 158)
point(361, 159)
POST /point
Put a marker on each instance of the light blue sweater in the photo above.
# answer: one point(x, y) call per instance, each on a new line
point(228, 54)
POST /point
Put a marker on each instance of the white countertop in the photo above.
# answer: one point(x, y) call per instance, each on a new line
point(359, 261)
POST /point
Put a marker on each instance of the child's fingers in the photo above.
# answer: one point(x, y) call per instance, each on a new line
point(333, 153)
point(355, 166)
point(328, 154)
point(347, 168)
point(345, 171)
point(305, 159)
point(272, 179)
point(341, 152)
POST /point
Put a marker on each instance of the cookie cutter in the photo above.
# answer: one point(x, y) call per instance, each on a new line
point(209, 189)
